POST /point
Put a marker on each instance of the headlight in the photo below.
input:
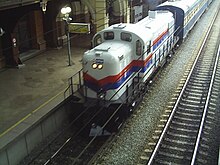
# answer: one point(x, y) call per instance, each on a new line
point(100, 66)
point(94, 65)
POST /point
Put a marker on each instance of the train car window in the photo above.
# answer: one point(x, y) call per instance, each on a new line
point(126, 37)
point(108, 35)
point(138, 48)
point(97, 40)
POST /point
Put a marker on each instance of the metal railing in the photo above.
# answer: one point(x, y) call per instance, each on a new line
point(75, 83)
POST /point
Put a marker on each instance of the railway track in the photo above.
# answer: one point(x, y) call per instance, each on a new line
point(71, 145)
point(186, 138)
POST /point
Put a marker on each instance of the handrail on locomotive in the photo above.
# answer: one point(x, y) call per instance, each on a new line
point(74, 87)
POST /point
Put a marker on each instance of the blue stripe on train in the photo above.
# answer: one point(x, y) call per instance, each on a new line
point(109, 86)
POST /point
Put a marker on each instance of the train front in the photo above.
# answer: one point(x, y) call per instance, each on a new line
point(107, 69)
point(104, 71)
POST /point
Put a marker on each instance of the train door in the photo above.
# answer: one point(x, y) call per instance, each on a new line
point(148, 66)
point(138, 65)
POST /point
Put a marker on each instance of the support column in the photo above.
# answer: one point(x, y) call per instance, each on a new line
point(37, 32)
point(11, 54)
point(127, 9)
point(15, 51)
point(101, 20)
point(60, 33)
point(121, 11)
point(2, 58)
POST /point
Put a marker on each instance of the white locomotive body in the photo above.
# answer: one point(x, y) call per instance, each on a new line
point(125, 52)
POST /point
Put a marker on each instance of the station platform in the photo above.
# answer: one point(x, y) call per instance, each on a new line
point(35, 85)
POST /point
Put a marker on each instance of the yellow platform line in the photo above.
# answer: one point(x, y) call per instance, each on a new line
point(34, 111)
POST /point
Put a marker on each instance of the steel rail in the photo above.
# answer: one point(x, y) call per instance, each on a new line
point(205, 110)
point(181, 93)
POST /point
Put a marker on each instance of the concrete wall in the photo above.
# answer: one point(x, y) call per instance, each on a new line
point(22, 145)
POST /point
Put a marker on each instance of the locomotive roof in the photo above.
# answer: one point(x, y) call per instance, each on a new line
point(185, 5)
point(147, 26)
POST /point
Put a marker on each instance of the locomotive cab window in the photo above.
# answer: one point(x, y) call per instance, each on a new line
point(126, 37)
point(138, 48)
point(108, 35)
point(97, 40)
